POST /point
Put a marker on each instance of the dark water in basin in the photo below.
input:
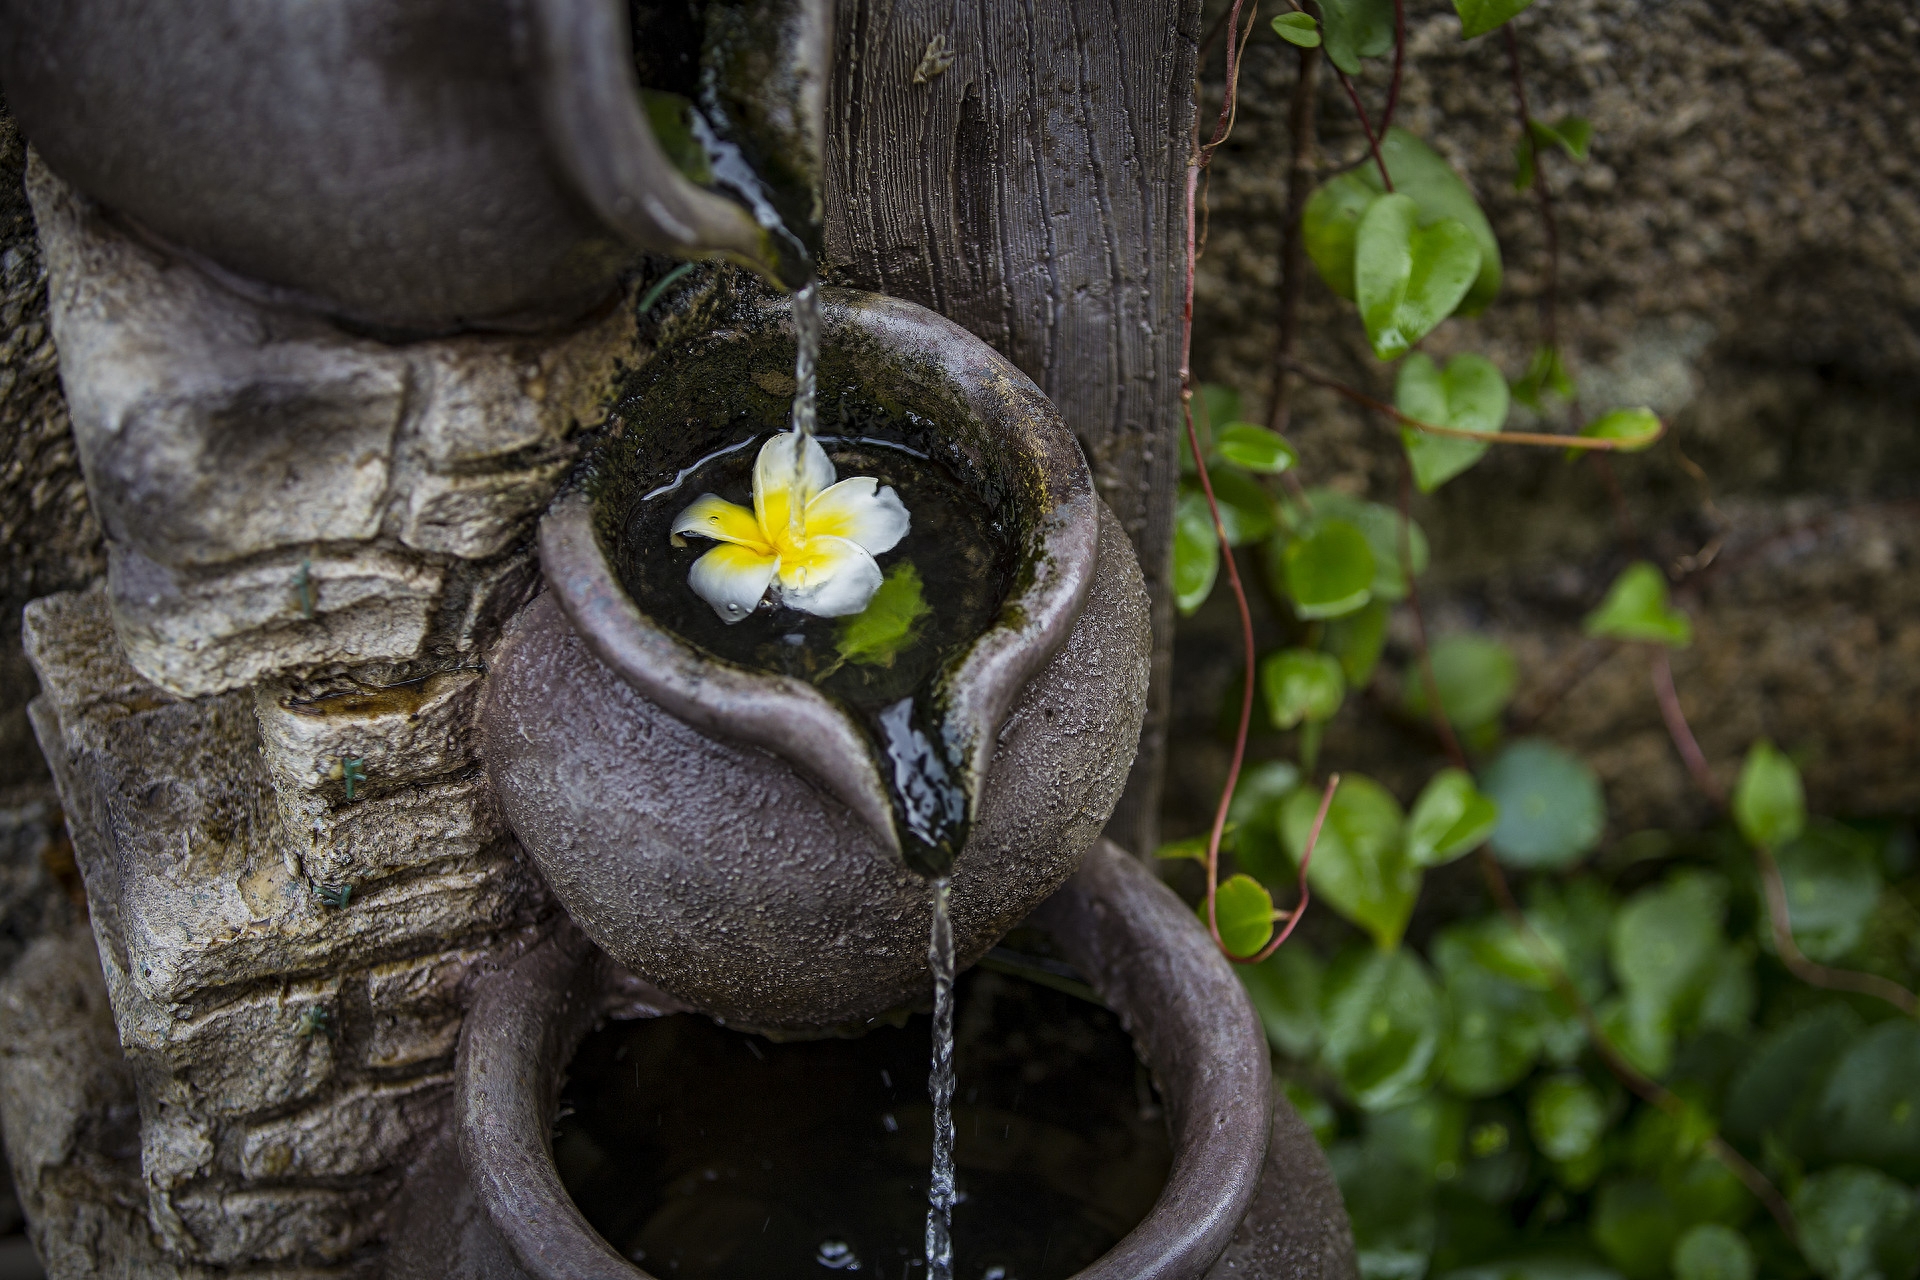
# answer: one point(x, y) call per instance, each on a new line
point(703, 1152)
point(958, 553)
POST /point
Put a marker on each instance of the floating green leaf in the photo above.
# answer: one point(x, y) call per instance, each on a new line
point(1357, 29)
point(1858, 1224)
point(1255, 448)
point(1551, 811)
point(1358, 639)
point(1477, 17)
point(1637, 428)
point(1382, 1022)
point(1470, 396)
point(1331, 220)
point(1636, 608)
point(1869, 1112)
point(1301, 685)
point(1243, 909)
point(1476, 677)
point(1360, 865)
point(1285, 990)
point(1567, 1116)
point(1196, 551)
point(1298, 28)
point(1833, 882)
point(1449, 819)
point(672, 119)
point(1408, 278)
point(1712, 1251)
point(1254, 814)
point(890, 622)
point(1769, 802)
point(1246, 510)
point(1328, 570)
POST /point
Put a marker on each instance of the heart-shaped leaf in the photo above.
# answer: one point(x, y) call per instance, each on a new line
point(1407, 278)
point(1769, 802)
point(1196, 551)
point(1470, 396)
point(1328, 571)
point(1636, 608)
point(1357, 641)
point(1255, 448)
point(1477, 17)
point(1382, 1021)
point(1301, 685)
point(1285, 990)
point(1551, 809)
point(1246, 509)
point(1382, 526)
point(1357, 29)
point(1359, 865)
point(1476, 677)
point(1298, 28)
point(1254, 816)
point(1832, 877)
point(1243, 909)
point(1451, 818)
point(1331, 219)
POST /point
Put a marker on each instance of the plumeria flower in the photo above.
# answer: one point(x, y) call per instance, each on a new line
point(821, 563)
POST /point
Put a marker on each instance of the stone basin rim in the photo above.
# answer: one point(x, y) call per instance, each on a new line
point(789, 717)
point(1133, 939)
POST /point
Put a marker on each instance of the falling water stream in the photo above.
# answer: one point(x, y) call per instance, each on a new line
point(940, 957)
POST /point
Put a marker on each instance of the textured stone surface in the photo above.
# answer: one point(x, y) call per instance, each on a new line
point(1742, 253)
point(288, 1056)
point(281, 496)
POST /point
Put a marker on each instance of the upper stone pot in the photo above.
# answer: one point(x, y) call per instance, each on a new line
point(418, 166)
point(729, 834)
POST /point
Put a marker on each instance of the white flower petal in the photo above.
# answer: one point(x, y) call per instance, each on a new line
point(829, 577)
point(732, 579)
point(854, 511)
point(712, 516)
point(773, 477)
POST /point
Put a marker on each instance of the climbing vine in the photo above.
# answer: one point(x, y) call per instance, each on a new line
point(1708, 1073)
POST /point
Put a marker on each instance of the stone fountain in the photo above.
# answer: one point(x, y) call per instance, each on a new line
point(336, 327)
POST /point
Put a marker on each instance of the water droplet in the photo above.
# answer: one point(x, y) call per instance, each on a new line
point(837, 1255)
point(995, 1273)
point(888, 1123)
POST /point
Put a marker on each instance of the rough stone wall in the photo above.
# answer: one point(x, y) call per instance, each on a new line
point(261, 728)
point(1742, 253)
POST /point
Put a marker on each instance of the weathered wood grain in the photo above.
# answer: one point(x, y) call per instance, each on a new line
point(1016, 165)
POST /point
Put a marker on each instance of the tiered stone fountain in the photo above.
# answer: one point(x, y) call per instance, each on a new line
point(320, 417)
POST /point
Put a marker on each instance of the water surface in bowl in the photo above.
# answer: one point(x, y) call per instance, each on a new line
point(946, 581)
point(701, 1152)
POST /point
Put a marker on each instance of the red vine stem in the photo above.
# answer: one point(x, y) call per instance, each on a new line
point(1779, 918)
point(1366, 125)
point(1399, 61)
point(1306, 857)
point(1535, 438)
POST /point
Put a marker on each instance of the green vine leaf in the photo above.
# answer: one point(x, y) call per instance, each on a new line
point(1406, 278)
point(1567, 1117)
point(1358, 639)
point(1869, 1112)
point(1833, 881)
point(1196, 551)
point(1254, 815)
point(1255, 448)
point(1285, 990)
point(1636, 608)
point(1327, 572)
point(1357, 29)
point(1769, 802)
point(1298, 28)
point(1476, 677)
point(1301, 684)
point(1382, 526)
point(1551, 810)
point(1712, 1251)
point(1471, 396)
point(1360, 866)
point(1858, 1224)
point(1546, 375)
point(1477, 17)
point(1247, 511)
point(1638, 428)
point(1243, 909)
point(1383, 1024)
point(1449, 820)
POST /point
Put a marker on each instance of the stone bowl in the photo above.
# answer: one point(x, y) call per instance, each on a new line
point(725, 833)
point(409, 165)
point(1249, 1194)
